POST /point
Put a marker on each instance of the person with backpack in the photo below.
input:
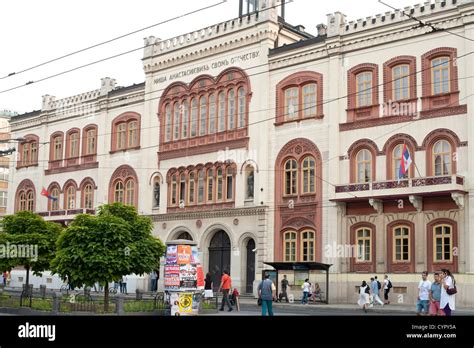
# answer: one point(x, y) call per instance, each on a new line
point(387, 285)
point(375, 291)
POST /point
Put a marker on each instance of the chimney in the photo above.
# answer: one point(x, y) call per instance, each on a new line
point(322, 29)
point(299, 27)
point(336, 23)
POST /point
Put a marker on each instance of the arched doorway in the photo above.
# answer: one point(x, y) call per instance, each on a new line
point(250, 266)
point(219, 257)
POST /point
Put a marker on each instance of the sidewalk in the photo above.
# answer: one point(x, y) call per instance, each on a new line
point(409, 310)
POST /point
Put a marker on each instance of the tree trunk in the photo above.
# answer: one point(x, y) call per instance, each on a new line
point(106, 297)
point(27, 276)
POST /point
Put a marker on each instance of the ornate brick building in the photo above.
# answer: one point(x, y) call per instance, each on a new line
point(262, 142)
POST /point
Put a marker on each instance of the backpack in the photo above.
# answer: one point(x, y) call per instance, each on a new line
point(379, 285)
point(389, 285)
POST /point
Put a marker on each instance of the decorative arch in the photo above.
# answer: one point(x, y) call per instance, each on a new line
point(26, 189)
point(123, 174)
point(302, 210)
point(390, 145)
point(431, 139)
point(354, 150)
point(247, 163)
point(299, 80)
point(210, 231)
point(175, 232)
point(70, 182)
point(86, 181)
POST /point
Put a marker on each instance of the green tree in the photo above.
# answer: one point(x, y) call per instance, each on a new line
point(25, 230)
point(105, 247)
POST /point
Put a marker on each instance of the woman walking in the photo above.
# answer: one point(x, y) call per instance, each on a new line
point(364, 299)
point(448, 290)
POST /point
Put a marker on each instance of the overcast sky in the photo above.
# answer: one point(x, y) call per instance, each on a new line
point(33, 31)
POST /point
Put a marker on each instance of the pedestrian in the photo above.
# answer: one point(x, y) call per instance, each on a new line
point(267, 292)
point(284, 289)
point(154, 278)
point(448, 291)
point(435, 296)
point(424, 287)
point(226, 284)
point(2, 279)
point(387, 285)
point(364, 296)
point(306, 289)
point(374, 286)
point(124, 284)
point(6, 275)
point(208, 293)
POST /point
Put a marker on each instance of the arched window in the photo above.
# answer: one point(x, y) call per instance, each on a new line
point(54, 203)
point(289, 246)
point(202, 115)
point(88, 196)
point(364, 166)
point(29, 151)
point(174, 190)
point(119, 192)
point(194, 117)
point(443, 243)
point(191, 194)
point(231, 110)
point(201, 186)
point(182, 189)
point(229, 184)
point(156, 192)
point(442, 158)
point(168, 122)
point(309, 100)
point(130, 192)
point(212, 114)
point(184, 236)
point(242, 106)
point(291, 170)
point(440, 75)
point(91, 142)
point(250, 183)
point(364, 245)
point(184, 127)
point(221, 117)
point(308, 175)
point(291, 102)
point(401, 244)
point(364, 89)
point(401, 82)
point(121, 136)
point(220, 184)
point(57, 148)
point(176, 122)
point(73, 146)
point(25, 196)
point(210, 185)
point(70, 198)
point(307, 246)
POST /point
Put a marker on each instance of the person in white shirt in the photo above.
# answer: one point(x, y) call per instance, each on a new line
point(306, 289)
point(424, 287)
point(124, 284)
point(448, 302)
point(387, 285)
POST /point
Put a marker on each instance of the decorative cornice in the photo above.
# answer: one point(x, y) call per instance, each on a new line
point(211, 214)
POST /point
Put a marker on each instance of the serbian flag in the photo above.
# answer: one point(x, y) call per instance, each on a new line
point(405, 162)
point(45, 193)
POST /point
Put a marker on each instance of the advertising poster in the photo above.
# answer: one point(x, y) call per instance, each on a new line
point(172, 255)
point(188, 277)
point(200, 277)
point(194, 255)
point(171, 279)
point(174, 301)
point(184, 254)
point(185, 303)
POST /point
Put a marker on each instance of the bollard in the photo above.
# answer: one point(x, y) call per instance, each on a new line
point(119, 305)
point(138, 295)
point(43, 291)
point(56, 299)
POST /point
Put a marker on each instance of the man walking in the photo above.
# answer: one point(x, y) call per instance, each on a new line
point(267, 292)
point(387, 285)
point(375, 291)
point(424, 287)
point(226, 284)
point(435, 296)
point(284, 288)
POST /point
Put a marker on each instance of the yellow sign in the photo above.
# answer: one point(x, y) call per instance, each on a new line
point(185, 302)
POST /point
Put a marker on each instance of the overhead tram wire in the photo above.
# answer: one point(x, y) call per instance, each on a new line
point(112, 40)
point(100, 60)
point(422, 24)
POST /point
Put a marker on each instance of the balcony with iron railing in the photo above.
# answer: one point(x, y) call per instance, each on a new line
point(420, 186)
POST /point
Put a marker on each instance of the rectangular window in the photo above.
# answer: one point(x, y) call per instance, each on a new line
point(176, 122)
point(25, 155)
point(229, 185)
point(121, 136)
point(401, 81)
point(185, 116)
point(443, 243)
point(90, 143)
point(401, 237)
point(3, 199)
point(133, 134)
point(212, 114)
point(363, 242)
point(440, 75)
point(291, 103)
point(74, 145)
point(221, 116)
point(309, 100)
point(194, 117)
point(168, 123)
point(364, 89)
point(58, 148)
